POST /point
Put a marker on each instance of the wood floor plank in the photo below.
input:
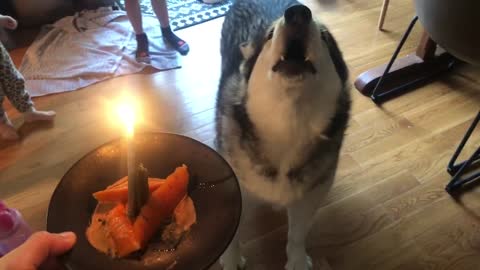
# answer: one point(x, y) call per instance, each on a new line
point(369, 253)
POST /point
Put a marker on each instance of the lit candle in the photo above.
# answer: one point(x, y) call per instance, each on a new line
point(127, 115)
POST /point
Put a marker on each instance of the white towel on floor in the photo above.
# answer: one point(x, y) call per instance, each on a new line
point(90, 47)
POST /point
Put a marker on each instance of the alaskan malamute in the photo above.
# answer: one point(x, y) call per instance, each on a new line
point(282, 110)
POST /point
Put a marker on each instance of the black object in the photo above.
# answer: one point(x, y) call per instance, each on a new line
point(448, 24)
point(426, 71)
point(6, 8)
point(406, 73)
point(453, 25)
point(375, 96)
point(216, 197)
point(458, 170)
point(298, 15)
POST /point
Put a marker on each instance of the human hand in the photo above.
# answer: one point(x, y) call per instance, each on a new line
point(38, 252)
point(8, 22)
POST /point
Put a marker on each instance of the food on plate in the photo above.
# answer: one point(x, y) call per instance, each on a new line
point(167, 211)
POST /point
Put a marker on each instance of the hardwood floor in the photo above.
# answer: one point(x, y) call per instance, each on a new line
point(388, 208)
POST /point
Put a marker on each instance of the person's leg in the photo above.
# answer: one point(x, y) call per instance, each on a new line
point(160, 9)
point(7, 130)
point(12, 85)
point(135, 16)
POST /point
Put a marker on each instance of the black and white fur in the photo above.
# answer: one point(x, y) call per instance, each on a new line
point(282, 110)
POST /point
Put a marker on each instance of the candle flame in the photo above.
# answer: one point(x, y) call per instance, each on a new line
point(126, 113)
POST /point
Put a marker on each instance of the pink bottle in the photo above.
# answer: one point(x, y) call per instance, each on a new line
point(13, 229)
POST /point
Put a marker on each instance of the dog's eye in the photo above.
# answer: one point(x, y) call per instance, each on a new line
point(270, 34)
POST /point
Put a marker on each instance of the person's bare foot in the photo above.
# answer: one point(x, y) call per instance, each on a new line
point(34, 115)
point(8, 22)
point(7, 130)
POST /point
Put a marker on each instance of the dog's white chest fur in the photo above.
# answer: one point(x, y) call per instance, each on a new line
point(287, 115)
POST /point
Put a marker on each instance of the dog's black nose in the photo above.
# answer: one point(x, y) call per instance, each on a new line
point(298, 15)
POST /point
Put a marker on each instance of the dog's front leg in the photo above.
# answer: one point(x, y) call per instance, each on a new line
point(300, 215)
point(232, 258)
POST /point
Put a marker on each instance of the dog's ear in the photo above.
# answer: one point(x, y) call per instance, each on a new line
point(247, 50)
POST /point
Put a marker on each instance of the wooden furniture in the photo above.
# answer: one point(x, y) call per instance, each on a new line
point(383, 14)
point(453, 25)
point(446, 22)
point(406, 73)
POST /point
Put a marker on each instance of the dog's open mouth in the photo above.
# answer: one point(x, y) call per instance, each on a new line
point(294, 61)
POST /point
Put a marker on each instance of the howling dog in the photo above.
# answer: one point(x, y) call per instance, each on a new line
point(282, 109)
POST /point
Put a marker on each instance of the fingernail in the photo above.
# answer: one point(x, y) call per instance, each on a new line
point(68, 235)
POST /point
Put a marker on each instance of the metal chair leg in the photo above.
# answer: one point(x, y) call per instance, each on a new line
point(452, 168)
point(457, 181)
point(457, 170)
point(376, 97)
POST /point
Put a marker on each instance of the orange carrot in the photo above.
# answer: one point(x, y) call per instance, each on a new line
point(118, 192)
point(161, 204)
point(121, 182)
point(121, 230)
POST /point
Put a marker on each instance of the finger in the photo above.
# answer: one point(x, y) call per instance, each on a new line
point(52, 264)
point(42, 245)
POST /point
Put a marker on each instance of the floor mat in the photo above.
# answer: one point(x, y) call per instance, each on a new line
point(186, 13)
point(90, 47)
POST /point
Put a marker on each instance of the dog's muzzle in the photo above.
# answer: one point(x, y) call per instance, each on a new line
point(293, 60)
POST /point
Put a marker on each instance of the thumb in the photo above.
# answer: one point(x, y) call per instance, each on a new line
point(42, 245)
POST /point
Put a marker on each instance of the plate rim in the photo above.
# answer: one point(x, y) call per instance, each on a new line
point(65, 256)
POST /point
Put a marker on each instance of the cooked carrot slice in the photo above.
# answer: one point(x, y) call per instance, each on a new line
point(121, 230)
point(121, 182)
point(118, 192)
point(161, 204)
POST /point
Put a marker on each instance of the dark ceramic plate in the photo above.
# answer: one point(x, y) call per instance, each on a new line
point(217, 201)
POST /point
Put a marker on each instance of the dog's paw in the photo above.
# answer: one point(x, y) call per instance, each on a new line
point(299, 263)
point(239, 264)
